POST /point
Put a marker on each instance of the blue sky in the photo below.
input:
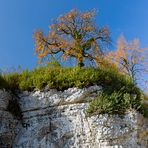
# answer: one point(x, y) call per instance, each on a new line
point(20, 18)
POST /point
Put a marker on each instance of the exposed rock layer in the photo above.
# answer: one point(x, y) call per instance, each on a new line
point(55, 119)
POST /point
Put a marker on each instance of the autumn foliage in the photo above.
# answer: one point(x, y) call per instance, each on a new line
point(129, 58)
point(73, 35)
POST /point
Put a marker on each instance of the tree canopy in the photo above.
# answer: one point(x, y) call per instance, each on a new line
point(73, 35)
point(129, 58)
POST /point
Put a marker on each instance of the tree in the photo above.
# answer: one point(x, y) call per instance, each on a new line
point(129, 58)
point(73, 35)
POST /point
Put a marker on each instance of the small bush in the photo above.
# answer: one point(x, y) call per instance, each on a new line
point(145, 110)
point(12, 80)
point(117, 102)
point(3, 83)
point(25, 81)
point(145, 105)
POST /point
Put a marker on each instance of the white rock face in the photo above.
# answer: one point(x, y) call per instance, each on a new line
point(55, 119)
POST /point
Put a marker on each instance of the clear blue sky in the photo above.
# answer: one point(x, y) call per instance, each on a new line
point(20, 18)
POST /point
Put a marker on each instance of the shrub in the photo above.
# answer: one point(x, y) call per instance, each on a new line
point(145, 111)
point(116, 102)
point(145, 105)
point(3, 83)
point(12, 80)
point(25, 81)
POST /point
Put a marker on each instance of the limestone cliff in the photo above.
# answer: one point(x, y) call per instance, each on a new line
point(56, 119)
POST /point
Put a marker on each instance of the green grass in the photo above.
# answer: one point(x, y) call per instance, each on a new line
point(63, 78)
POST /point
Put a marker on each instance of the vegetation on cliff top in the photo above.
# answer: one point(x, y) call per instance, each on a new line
point(119, 91)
